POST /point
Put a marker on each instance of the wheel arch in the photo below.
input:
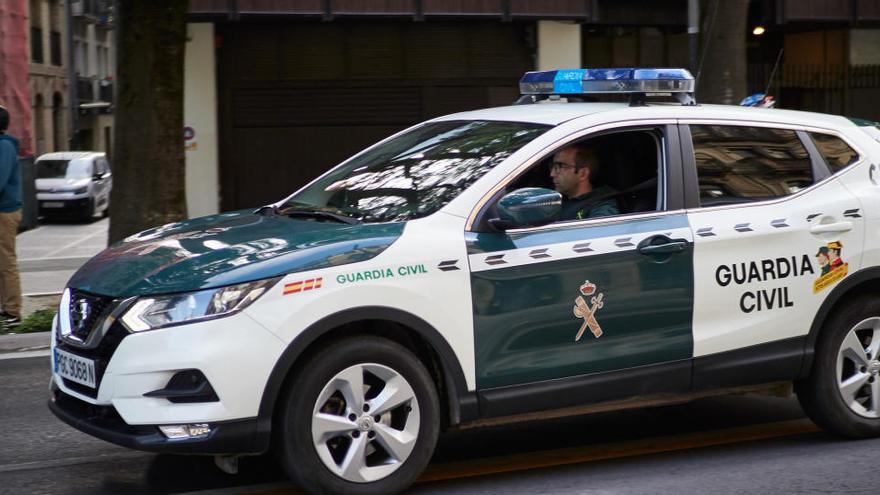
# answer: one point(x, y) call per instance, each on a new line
point(400, 326)
point(863, 281)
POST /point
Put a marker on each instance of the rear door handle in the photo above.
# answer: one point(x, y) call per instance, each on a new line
point(660, 244)
point(827, 228)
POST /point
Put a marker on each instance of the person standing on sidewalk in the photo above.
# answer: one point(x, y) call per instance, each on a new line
point(10, 217)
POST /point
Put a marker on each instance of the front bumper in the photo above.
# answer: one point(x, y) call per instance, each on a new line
point(244, 436)
point(65, 205)
point(235, 355)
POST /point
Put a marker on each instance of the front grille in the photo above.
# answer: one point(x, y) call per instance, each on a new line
point(86, 312)
point(100, 354)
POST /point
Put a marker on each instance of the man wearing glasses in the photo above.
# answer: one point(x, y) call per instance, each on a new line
point(572, 169)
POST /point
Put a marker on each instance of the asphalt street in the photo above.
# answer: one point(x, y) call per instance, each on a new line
point(723, 445)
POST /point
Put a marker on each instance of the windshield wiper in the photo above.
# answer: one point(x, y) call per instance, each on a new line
point(319, 214)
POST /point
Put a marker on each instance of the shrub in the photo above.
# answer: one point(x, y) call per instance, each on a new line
point(38, 321)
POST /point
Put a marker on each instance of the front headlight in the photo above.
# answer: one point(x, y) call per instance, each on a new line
point(81, 190)
point(150, 313)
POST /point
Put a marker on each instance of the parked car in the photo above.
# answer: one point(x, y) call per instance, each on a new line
point(73, 183)
point(430, 281)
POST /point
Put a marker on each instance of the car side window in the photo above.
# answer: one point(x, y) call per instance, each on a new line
point(738, 164)
point(837, 154)
point(623, 177)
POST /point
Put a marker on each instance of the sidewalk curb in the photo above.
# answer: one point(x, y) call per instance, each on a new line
point(21, 342)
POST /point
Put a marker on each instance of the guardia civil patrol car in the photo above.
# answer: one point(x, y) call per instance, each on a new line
point(429, 282)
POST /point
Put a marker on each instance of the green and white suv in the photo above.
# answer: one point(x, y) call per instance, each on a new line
point(429, 282)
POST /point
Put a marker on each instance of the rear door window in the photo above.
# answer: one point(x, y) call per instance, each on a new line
point(739, 164)
point(837, 154)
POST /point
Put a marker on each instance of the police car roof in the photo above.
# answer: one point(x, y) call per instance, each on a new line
point(555, 113)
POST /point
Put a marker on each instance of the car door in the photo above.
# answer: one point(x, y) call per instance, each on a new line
point(565, 304)
point(773, 234)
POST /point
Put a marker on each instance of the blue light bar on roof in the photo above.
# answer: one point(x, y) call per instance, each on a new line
point(623, 80)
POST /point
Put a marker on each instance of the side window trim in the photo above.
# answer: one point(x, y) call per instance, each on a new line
point(821, 171)
point(673, 179)
point(666, 153)
point(689, 168)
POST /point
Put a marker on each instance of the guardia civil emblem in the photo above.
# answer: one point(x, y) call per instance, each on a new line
point(588, 311)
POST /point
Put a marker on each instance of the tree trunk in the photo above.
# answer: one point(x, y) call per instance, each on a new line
point(723, 76)
point(148, 168)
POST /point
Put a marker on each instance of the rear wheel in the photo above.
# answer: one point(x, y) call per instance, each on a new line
point(842, 393)
point(361, 417)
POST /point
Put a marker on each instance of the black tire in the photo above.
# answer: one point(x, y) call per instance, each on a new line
point(298, 453)
point(88, 214)
point(819, 393)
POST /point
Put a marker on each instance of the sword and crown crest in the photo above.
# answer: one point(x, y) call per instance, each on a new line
point(588, 311)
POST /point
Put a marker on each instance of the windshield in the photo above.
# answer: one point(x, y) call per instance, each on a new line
point(63, 169)
point(416, 173)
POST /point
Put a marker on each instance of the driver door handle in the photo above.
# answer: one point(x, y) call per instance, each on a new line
point(826, 228)
point(661, 245)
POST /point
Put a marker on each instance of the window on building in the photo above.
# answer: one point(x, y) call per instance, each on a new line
point(81, 52)
point(36, 17)
point(738, 164)
point(837, 154)
point(36, 45)
point(55, 48)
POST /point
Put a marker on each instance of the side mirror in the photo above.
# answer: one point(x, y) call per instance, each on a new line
point(527, 207)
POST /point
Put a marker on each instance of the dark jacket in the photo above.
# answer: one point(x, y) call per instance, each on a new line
point(10, 175)
point(596, 203)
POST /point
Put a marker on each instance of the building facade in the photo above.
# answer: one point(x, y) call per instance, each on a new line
point(300, 85)
point(70, 77)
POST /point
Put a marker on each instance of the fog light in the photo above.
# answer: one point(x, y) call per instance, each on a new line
point(175, 432)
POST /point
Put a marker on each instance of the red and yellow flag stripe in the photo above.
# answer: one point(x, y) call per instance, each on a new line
point(303, 285)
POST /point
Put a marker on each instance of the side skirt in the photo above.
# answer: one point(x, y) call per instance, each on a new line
point(672, 377)
point(773, 361)
point(752, 369)
point(776, 389)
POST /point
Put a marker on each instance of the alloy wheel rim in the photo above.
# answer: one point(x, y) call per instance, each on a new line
point(858, 368)
point(365, 422)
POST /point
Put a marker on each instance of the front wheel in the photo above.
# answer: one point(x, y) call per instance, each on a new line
point(88, 213)
point(842, 393)
point(361, 417)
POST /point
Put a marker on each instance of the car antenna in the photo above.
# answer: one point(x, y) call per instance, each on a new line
point(773, 72)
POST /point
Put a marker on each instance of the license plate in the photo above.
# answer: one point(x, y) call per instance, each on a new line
point(53, 204)
point(75, 368)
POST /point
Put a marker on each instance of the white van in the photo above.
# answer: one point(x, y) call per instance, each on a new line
point(73, 183)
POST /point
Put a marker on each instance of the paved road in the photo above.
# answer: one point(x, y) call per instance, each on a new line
point(51, 253)
point(722, 445)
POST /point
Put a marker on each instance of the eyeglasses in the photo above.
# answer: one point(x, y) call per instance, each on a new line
point(557, 166)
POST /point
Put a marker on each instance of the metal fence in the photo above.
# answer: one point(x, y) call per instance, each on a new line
point(852, 90)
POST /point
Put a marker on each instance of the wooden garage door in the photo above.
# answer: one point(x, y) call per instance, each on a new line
point(298, 98)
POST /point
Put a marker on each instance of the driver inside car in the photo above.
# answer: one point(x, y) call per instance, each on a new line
point(572, 170)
